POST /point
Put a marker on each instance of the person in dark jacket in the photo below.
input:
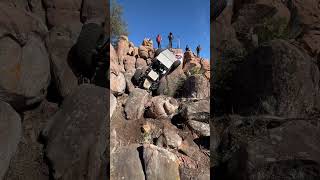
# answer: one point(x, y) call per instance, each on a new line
point(198, 50)
point(170, 37)
point(187, 48)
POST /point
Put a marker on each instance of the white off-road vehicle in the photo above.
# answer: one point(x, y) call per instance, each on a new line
point(163, 64)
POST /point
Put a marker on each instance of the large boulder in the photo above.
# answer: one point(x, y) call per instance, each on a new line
point(172, 84)
point(94, 11)
point(25, 72)
point(278, 78)
point(59, 45)
point(143, 52)
point(20, 24)
point(196, 86)
point(140, 63)
point(277, 147)
point(10, 128)
point(129, 63)
point(135, 105)
point(65, 18)
point(122, 48)
point(162, 107)
point(159, 163)
point(118, 83)
point(76, 136)
point(197, 115)
point(126, 163)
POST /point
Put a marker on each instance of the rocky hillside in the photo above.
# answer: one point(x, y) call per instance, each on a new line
point(160, 135)
point(51, 127)
point(266, 91)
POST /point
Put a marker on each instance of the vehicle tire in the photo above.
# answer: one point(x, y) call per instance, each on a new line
point(136, 77)
point(86, 45)
point(158, 51)
point(174, 66)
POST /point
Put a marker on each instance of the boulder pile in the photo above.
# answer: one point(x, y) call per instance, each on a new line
point(266, 84)
point(162, 135)
point(51, 127)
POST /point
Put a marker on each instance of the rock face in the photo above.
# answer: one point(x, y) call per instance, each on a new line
point(284, 77)
point(197, 115)
point(156, 118)
point(76, 134)
point(162, 107)
point(126, 164)
point(59, 44)
point(135, 105)
point(160, 163)
point(196, 86)
point(10, 127)
point(172, 84)
point(118, 85)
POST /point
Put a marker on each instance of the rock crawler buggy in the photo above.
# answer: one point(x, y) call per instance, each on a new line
point(163, 64)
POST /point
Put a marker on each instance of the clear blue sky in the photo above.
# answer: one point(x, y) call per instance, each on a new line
point(188, 20)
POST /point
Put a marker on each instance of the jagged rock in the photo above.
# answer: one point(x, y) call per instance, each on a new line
point(190, 61)
point(113, 104)
point(93, 11)
point(172, 84)
point(59, 45)
point(25, 72)
point(203, 129)
point(126, 164)
point(118, 83)
point(159, 163)
point(147, 42)
point(129, 63)
point(76, 135)
point(143, 52)
point(10, 128)
point(278, 78)
point(172, 139)
point(162, 107)
point(134, 107)
point(141, 63)
point(197, 115)
point(196, 86)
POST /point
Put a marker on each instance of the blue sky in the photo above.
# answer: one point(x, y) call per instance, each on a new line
point(188, 20)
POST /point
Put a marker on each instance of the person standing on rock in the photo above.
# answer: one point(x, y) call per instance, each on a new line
point(170, 37)
point(187, 48)
point(159, 39)
point(198, 50)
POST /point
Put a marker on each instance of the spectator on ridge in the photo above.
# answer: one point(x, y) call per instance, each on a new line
point(198, 50)
point(170, 39)
point(159, 39)
point(187, 48)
